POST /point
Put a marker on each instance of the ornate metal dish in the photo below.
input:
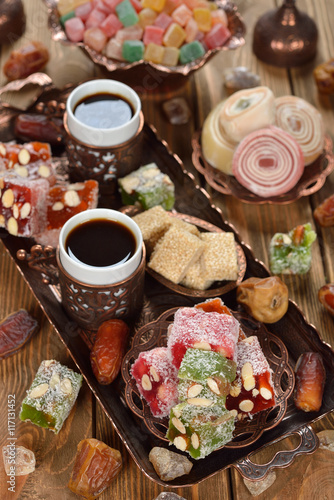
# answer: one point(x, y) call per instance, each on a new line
point(293, 330)
point(236, 26)
point(312, 180)
point(154, 334)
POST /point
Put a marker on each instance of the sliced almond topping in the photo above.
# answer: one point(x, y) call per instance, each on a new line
point(24, 156)
point(16, 211)
point(54, 380)
point(234, 413)
point(3, 150)
point(235, 390)
point(180, 443)
point(12, 226)
point(2, 183)
point(66, 386)
point(25, 210)
point(44, 171)
point(223, 352)
point(146, 383)
point(247, 370)
point(177, 412)
point(154, 374)
point(71, 198)
point(200, 402)
point(249, 383)
point(195, 440)
point(246, 405)
point(255, 393)
point(2, 221)
point(48, 363)
point(59, 205)
point(178, 425)
point(194, 390)
point(213, 386)
point(21, 171)
point(38, 391)
point(266, 393)
point(205, 346)
point(248, 340)
point(8, 198)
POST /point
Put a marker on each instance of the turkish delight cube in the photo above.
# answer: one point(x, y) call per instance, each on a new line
point(196, 328)
point(148, 186)
point(156, 380)
point(23, 154)
point(211, 373)
point(23, 204)
point(200, 430)
point(18, 460)
point(253, 390)
point(51, 396)
point(153, 224)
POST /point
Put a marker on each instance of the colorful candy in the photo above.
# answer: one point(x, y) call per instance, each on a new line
point(51, 396)
point(268, 162)
point(304, 122)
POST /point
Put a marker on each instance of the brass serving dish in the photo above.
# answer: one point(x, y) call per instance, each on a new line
point(236, 26)
point(312, 180)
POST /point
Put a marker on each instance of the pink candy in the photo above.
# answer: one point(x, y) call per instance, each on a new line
point(217, 36)
point(75, 29)
point(153, 34)
point(111, 25)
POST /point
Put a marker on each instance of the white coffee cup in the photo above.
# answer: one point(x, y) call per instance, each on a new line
point(92, 275)
point(102, 137)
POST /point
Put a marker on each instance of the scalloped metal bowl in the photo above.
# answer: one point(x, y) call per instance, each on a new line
point(312, 180)
point(236, 26)
point(154, 334)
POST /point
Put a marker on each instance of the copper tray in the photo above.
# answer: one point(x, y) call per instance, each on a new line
point(312, 180)
point(296, 334)
point(236, 24)
point(247, 432)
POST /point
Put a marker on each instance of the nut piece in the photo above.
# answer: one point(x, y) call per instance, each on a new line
point(177, 412)
point(66, 386)
point(178, 425)
point(57, 206)
point(48, 362)
point(16, 211)
point(255, 393)
point(194, 390)
point(154, 374)
point(44, 171)
point(21, 171)
point(25, 210)
point(247, 376)
point(8, 198)
point(246, 405)
point(195, 440)
point(24, 156)
point(38, 391)
point(71, 198)
point(146, 383)
point(235, 390)
point(213, 386)
point(3, 150)
point(12, 226)
point(205, 346)
point(266, 393)
point(180, 443)
point(2, 221)
point(203, 402)
point(54, 381)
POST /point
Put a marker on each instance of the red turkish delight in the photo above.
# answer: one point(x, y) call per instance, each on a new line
point(111, 25)
point(75, 29)
point(95, 18)
point(24, 154)
point(253, 390)
point(217, 36)
point(23, 204)
point(193, 327)
point(84, 10)
point(156, 379)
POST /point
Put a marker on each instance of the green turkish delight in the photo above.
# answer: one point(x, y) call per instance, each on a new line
point(291, 252)
point(51, 395)
point(149, 187)
point(199, 430)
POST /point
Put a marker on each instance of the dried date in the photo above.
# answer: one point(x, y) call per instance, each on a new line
point(15, 331)
point(95, 466)
point(26, 60)
point(32, 127)
point(310, 382)
point(326, 297)
point(108, 350)
point(324, 213)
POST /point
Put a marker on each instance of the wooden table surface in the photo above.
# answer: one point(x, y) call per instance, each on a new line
point(309, 476)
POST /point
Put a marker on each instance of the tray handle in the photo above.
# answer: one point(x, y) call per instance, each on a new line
point(42, 259)
point(309, 443)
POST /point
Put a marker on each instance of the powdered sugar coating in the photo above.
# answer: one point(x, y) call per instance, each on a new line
point(249, 350)
point(191, 326)
point(156, 379)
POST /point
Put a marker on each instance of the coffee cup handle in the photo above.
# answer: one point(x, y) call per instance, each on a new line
point(42, 259)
